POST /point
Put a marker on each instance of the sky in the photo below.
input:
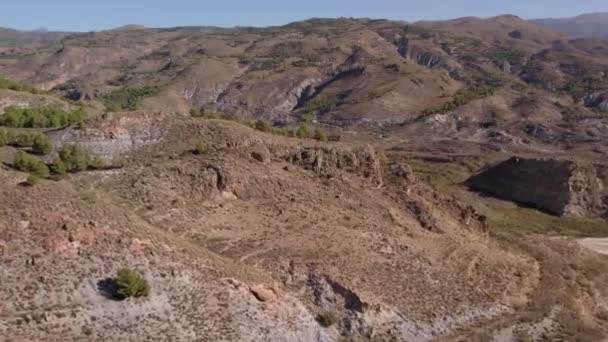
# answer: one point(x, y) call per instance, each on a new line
point(89, 15)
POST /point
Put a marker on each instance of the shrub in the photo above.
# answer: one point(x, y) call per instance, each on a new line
point(58, 167)
point(195, 112)
point(32, 179)
point(74, 157)
point(27, 163)
point(328, 318)
point(130, 283)
point(199, 148)
point(42, 144)
point(302, 131)
point(96, 163)
point(263, 125)
point(320, 134)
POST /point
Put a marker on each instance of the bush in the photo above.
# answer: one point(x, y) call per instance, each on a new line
point(32, 179)
point(328, 318)
point(320, 134)
point(263, 125)
point(40, 117)
point(96, 163)
point(42, 144)
point(199, 148)
point(302, 131)
point(130, 283)
point(58, 167)
point(27, 163)
point(76, 158)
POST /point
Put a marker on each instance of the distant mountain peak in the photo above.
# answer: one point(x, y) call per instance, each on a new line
point(592, 25)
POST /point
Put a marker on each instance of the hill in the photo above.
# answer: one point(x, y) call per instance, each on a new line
point(594, 25)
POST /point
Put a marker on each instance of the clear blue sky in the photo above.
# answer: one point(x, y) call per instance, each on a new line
point(87, 15)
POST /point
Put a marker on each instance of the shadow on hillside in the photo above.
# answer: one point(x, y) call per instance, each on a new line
point(108, 288)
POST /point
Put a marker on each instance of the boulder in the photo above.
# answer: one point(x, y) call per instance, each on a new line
point(557, 187)
point(262, 155)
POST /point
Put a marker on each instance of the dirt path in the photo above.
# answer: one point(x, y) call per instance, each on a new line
point(599, 245)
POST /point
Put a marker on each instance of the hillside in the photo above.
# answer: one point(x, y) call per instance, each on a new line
point(326, 180)
point(594, 25)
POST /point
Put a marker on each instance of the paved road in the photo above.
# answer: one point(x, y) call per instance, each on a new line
point(599, 245)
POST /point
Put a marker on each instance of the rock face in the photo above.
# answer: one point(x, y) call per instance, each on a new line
point(113, 134)
point(558, 187)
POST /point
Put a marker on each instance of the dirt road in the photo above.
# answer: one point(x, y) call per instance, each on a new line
point(599, 245)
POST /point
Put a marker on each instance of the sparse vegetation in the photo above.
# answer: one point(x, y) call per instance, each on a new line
point(263, 125)
point(127, 98)
point(461, 98)
point(411, 30)
point(6, 83)
point(40, 117)
point(303, 131)
point(504, 54)
point(320, 134)
point(130, 283)
point(322, 105)
point(328, 318)
point(207, 114)
point(270, 64)
point(308, 60)
point(156, 55)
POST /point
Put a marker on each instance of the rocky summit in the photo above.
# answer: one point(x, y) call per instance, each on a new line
point(326, 180)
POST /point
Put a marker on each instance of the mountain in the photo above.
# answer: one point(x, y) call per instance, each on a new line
point(325, 180)
point(594, 25)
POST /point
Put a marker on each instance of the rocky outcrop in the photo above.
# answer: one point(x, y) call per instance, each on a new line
point(325, 162)
point(558, 187)
point(114, 134)
point(597, 100)
point(416, 53)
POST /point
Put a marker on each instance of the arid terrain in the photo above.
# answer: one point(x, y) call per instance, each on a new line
point(327, 180)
